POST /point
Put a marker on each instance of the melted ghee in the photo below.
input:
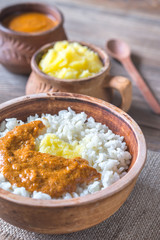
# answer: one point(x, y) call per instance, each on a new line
point(51, 144)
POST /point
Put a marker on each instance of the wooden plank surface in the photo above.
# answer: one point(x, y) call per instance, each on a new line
point(136, 22)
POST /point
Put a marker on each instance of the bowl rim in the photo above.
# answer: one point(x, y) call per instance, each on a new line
point(30, 4)
point(101, 53)
point(99, 195)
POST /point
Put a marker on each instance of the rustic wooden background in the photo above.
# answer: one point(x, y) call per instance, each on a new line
point(137, 22)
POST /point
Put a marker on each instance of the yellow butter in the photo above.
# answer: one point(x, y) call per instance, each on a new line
point(53, 145)
point(70, 61)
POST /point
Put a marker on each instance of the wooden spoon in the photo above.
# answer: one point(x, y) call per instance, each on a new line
point(121, 51)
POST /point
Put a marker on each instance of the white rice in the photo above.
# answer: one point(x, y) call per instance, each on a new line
point(104, 150)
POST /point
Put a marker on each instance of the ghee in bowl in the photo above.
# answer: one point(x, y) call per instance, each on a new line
point(67, 60)
point(30, 22)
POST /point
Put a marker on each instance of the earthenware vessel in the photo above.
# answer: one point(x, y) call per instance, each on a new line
point(100, 85)
point(65, 216)
point(17, 48)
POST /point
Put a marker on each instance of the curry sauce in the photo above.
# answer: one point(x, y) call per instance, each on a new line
point(30, 22)
point(23, 166)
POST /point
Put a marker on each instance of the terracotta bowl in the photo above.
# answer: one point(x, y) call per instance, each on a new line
point(65, 216)
point(17, 48)
point(100, 85)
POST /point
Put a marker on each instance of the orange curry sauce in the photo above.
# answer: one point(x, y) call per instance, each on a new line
point(31, 22)
point(22, 165)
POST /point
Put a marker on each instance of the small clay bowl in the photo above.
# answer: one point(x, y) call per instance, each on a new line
point(65, 216)
point(17, 48)
point(100, 85)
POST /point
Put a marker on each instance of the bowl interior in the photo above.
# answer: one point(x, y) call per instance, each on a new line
point(29, 7)
point(44, 49)
point(43, 103)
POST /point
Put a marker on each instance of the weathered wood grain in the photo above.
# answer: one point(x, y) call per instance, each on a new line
point(136, 22)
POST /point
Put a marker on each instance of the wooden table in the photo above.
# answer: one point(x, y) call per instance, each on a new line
point(137, 22)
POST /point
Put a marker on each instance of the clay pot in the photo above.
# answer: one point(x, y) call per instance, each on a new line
point(64, 216)
point(17, 48)
point(100, 85)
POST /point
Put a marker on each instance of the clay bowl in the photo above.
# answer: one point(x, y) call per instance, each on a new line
point(17, 48)
point(65, 216)
point(100, 85)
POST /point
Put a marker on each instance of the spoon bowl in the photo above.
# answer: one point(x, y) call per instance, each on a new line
point(118, 49)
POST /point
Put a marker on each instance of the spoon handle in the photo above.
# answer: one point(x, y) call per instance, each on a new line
point(146, 92)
